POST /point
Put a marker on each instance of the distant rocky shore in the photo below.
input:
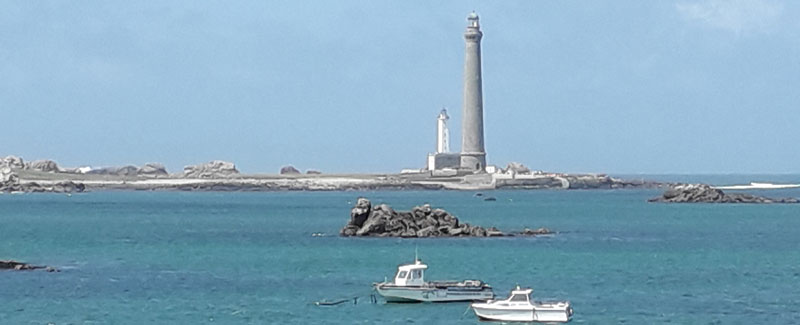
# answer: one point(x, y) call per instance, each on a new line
point(702, 193)
point(421, 221)
point(17, 175)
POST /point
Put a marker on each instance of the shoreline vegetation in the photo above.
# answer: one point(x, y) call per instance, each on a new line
point(46, 176)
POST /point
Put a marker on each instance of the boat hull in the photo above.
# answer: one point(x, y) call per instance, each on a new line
point(541, 313)
point(433, 294)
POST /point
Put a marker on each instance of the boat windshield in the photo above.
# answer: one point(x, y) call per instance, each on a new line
point(519, 298)
point(402, 274)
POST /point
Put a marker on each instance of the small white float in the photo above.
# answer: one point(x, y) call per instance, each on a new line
point(519, 308)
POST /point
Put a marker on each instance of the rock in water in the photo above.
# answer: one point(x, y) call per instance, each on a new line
point(213, 169)
point(360, 212)
point(703, 193)
point(20, 266)
point(289, 170)
point(421, 221)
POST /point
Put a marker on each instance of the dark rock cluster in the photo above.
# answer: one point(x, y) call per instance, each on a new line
point(702, 193)
point(20, 266)
point(421, 221)
point(60, 187)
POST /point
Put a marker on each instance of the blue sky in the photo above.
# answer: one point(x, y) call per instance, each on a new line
point(355, 86)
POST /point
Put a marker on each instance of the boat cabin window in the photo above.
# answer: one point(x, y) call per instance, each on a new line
point(402, 274)
point(416, 274)
point(519, 298)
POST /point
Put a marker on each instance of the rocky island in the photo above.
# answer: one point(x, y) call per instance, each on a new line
point(421, 221)
point(702, 193)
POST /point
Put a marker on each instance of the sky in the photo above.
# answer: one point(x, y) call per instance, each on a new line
point(355, 86)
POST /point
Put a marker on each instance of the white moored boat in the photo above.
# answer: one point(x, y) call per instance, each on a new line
point(519, 308)
point(409, 286)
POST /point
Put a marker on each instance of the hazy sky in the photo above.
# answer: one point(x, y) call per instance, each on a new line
point(355, 86)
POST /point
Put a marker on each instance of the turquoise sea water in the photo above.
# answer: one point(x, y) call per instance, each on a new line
point(238, 258)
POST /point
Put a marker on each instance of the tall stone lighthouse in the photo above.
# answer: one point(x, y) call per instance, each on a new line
point(473, 153)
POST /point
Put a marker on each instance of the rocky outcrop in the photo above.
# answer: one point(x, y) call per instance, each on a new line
point(12, 162)
point(212, 169)
point(20, 266)
point(636, 183)
point(313, 172)
point(10, 182)
point(589, 181)
point(517, 168)
point(421, 221)
point(44, 165)
point(702, 193)
point(153, 169)
point(289, 170)
point(60, 187)
point(149, 169)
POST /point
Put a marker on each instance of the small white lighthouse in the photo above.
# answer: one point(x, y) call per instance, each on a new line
point(442, 158)
point(442, 134)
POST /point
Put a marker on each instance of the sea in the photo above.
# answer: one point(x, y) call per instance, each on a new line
point(267, 258)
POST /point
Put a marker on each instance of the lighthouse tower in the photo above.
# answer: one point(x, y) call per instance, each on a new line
point(442, 134)
point(473, 153)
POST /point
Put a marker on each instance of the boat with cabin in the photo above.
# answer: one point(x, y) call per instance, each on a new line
point(409, 285)
point(518, 307)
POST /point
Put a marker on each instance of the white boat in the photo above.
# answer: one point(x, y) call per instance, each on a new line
point(409, 286)
point(519, 308)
